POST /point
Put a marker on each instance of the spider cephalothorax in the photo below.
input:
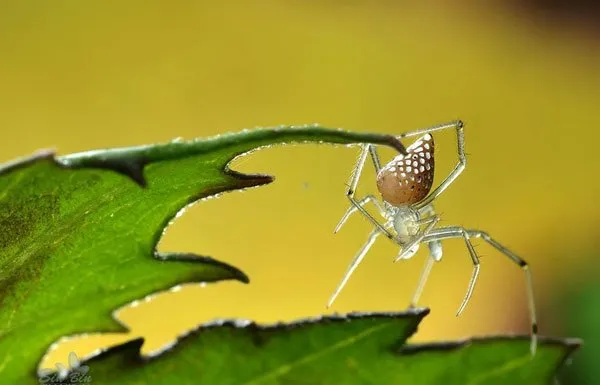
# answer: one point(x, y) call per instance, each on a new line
point(405, 184)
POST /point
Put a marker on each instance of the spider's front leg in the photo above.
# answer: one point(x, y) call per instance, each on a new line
point(358, 205)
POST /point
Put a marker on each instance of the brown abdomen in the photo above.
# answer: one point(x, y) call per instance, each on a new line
point(408, 179)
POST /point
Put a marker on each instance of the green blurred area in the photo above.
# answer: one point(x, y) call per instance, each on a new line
point(580, 302)
point(78, 76)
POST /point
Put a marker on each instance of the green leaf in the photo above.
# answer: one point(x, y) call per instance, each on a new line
point(355, 349)
point(78, 233)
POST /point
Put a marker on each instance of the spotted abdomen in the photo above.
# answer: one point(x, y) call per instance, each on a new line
point(407, 179)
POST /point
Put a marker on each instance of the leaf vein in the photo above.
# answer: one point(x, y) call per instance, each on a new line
point(287, 367)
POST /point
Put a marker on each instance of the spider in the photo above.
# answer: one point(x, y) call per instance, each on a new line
point(409, 217)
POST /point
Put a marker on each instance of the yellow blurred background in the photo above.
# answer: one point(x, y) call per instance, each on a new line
point(81, 75)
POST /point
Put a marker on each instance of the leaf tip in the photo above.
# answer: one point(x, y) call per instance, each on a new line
point(227, 271)
point(249, 180)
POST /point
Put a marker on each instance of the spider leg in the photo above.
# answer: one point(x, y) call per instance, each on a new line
point(374, 157)
point(357, 260)
point(459, 232)
point(352, 209)
point(366, 150)
point(474, 275)
point(456, 232)
point(422, 281)
point(462, 158)
point(529, 282)
point(435, 254)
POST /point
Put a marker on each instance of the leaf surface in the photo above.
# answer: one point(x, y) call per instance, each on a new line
point(78, 233)
point(353, 349)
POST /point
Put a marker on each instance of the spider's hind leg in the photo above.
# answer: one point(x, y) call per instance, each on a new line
point(435, 254)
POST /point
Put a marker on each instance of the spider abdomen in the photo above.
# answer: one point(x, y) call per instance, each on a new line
point(407, 179)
